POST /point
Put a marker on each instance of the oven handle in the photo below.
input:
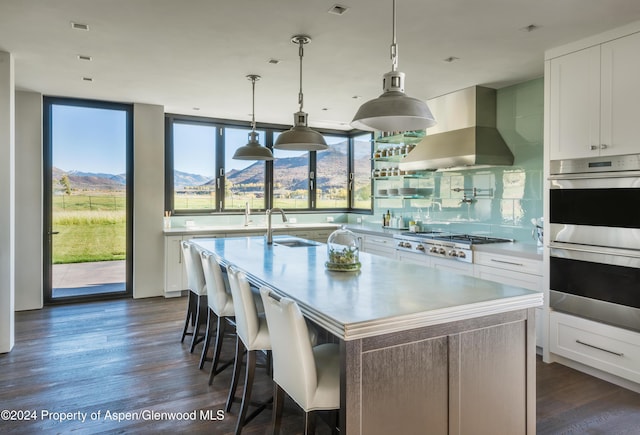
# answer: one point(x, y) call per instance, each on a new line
point(594, 175)
point(590, 250)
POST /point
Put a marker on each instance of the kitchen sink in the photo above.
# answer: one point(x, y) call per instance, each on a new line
point(295, 243)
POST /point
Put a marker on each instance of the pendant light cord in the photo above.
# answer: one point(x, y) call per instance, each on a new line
point(253, 103)
point(301, 54)
point(394, 45)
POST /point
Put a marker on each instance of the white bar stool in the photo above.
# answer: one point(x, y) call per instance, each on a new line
point(220, 313)
point(309, 374)
point(253, 336)
point(197, 303)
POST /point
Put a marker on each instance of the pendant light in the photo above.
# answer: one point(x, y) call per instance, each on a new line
point(300, 137)
point(253, 150)
point(393, 110)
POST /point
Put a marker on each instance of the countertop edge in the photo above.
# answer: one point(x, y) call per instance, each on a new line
point(438, 317)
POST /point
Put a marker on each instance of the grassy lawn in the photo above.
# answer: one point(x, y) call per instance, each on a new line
point(93, 227)
point(90, 229)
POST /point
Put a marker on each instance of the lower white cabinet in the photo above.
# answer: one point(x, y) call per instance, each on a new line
point(379, 245)
point(174, 275)
point(513, 270)
point(604, 347)
point(458, 267)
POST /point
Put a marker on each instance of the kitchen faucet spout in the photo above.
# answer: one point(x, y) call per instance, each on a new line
point(269, 229)
point(247, 214)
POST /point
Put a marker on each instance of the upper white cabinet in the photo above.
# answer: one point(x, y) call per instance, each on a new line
point(593, 95)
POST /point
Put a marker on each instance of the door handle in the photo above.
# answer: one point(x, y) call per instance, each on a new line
point(54, 232)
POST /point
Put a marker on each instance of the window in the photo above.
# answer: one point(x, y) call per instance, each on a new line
point(194, 166)
point(332, 174)
point(244, 179)
point(290, 179)
point(203, 177)
point(361, 179)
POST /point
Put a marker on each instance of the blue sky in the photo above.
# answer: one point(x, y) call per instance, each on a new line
point(89, 139)
point(93, 140)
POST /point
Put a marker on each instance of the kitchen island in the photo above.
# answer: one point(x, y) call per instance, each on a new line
point(422, 350)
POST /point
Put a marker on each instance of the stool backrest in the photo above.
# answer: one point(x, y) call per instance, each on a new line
point(193, 267)
point(294, 367)
point(247, 323)
point(219, 296)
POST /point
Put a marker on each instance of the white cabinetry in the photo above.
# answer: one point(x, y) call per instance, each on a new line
point(174, 279)
point(593, 96)
point(613, 350)
point(513, 270)
point(379, 245)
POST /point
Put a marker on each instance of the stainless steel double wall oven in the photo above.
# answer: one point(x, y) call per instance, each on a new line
point(594, 239)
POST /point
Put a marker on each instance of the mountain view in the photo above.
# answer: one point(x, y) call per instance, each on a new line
point(291, 174)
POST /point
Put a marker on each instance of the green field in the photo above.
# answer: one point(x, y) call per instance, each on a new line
point(93, 227)
point(90, 228)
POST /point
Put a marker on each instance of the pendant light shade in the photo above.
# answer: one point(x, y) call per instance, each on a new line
point(300, 137)
point(253, 150)
point(393, 110)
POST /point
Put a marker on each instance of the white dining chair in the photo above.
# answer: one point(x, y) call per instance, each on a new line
point(253, 337)
point(309, 374)
point(197, 300)
point(220, 314)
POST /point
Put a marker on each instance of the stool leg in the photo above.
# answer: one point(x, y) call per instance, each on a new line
point(278, 401)
point(200, 316)
point(236, 373)
point(207, 338)
point(309, 423)
point(190, 314)
point(248, 386)
point(222, 326)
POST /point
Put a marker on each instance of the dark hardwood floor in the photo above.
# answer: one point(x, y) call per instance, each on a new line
point(124, 360)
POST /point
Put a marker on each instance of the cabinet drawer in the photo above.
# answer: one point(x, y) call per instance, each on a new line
point(613, 350)
point(507, 262)
point(509, 277)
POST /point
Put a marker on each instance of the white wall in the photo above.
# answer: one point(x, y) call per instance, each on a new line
point(28, 255)
point(148, 200)
point(7, 202)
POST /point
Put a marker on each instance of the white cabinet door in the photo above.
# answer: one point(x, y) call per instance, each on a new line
point(174, 279)
point(574, 105)
point(620, 96)
point(593, 95)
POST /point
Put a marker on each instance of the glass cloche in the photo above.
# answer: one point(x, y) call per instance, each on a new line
point(343, 251)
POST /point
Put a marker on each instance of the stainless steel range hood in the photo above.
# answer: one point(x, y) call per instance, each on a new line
point(466, 133)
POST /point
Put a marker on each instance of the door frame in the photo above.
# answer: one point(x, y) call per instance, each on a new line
point(47, 198)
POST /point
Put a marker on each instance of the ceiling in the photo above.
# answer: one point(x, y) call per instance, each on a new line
point(192, 56)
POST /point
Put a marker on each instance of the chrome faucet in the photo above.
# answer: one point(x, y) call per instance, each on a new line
point(269, 229)
point(247, 214)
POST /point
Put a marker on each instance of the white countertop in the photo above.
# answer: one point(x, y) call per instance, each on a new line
point(384, 296)
point(212, 229)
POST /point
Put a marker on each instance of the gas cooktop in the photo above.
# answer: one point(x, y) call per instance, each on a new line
point(468, 239)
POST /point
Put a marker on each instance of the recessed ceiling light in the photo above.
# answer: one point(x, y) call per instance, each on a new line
point(451, 59)
point(274, 61)
point(530, 28)
point(356, 97)
point(87, 79)
point(84, 57)
point(79, 26)
point(338, 9)
point(325, 109)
